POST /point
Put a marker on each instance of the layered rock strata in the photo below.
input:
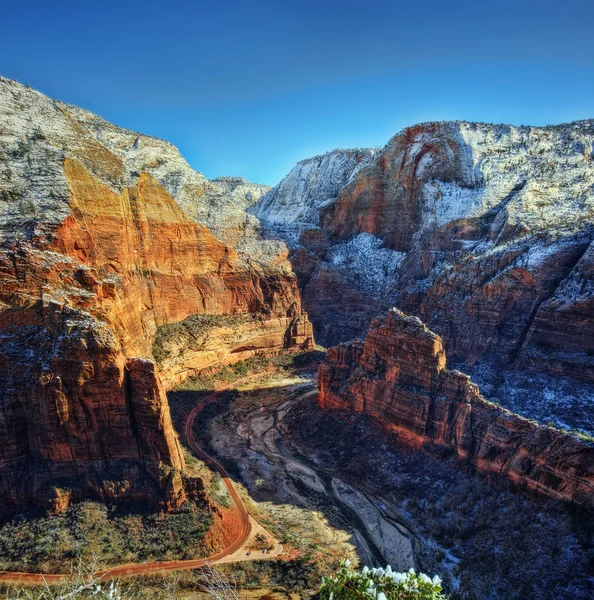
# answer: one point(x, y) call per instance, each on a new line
point(398, 375)
point(203, 342)
point(95, 256)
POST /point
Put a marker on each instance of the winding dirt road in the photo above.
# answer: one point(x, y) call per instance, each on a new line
point(236, 552)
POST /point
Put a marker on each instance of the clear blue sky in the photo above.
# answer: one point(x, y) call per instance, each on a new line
point(248, 88)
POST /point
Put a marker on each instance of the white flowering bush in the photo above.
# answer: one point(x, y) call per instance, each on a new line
point(379, 584)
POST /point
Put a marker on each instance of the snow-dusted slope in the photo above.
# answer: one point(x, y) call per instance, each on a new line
point(311, 184)
point(223, 208)
point(36, 135)
point(333, 276)
point(551, 166)
point(142, 153)
point(220, 204)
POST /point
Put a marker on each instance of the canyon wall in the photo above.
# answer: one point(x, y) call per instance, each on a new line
point(495, 222)
point(483, 231)
point(341, 284)
point(398, 375)
point(96, 256)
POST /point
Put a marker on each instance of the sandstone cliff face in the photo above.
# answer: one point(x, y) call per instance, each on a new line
point(435, 174)
point(95, 256)
point(493, 219)
point(398, 375)
point(219, 204)
point(78, 418)
point(439, 198)
point(203, 342)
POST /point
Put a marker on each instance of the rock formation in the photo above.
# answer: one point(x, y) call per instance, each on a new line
point(398, 375)
point(310, 185)
point(95, 256)
point(341, 284)
point(483, 231)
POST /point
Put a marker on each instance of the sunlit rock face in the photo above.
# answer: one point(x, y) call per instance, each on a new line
point(398, 375)
point(95, 256)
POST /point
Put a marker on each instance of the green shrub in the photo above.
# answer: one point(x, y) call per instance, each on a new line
point(192, 332)
point(379, 584)
point(111, 534)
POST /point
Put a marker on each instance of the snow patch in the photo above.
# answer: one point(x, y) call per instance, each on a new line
point(375, 267)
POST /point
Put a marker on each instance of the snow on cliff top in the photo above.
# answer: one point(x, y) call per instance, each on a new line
point(38, 133)
point(310, 185)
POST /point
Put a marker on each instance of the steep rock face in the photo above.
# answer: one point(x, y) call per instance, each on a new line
point(492, 220)
point(485, 233)
point(168, 266)
point(219, 204)
point(435, 174)
point(210, 341)
point(563, 326)
point(398, 375)
point(78, 418)
point(95, 256)
point(309, 186)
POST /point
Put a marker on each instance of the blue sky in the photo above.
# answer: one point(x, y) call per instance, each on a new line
point(249, 88)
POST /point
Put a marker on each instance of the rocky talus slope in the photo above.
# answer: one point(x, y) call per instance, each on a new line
point(483, 231)
point(398, 375)
point(96, 256)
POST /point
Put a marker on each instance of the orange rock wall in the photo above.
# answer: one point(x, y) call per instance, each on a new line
point(398, 375)
point(84, 413)
point(165, 266)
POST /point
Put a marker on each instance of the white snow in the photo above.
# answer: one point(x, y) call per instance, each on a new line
point(363, 256)
point(311, 184)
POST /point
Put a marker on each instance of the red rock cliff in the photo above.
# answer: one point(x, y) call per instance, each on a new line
point(488, 228)
point(398, 375)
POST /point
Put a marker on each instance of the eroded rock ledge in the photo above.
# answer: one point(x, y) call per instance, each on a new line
point(398, 375)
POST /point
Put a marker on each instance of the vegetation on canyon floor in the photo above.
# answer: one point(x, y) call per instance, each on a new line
point(54, 543)
point(466, 531)
point(220, 583)
point(41, 541)
point(287, 361)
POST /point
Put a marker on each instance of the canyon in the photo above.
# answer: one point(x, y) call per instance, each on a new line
point(96, 255)
point(130, 283)
point(123, 272)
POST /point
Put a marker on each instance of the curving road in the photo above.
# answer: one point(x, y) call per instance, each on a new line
point(230, 554)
